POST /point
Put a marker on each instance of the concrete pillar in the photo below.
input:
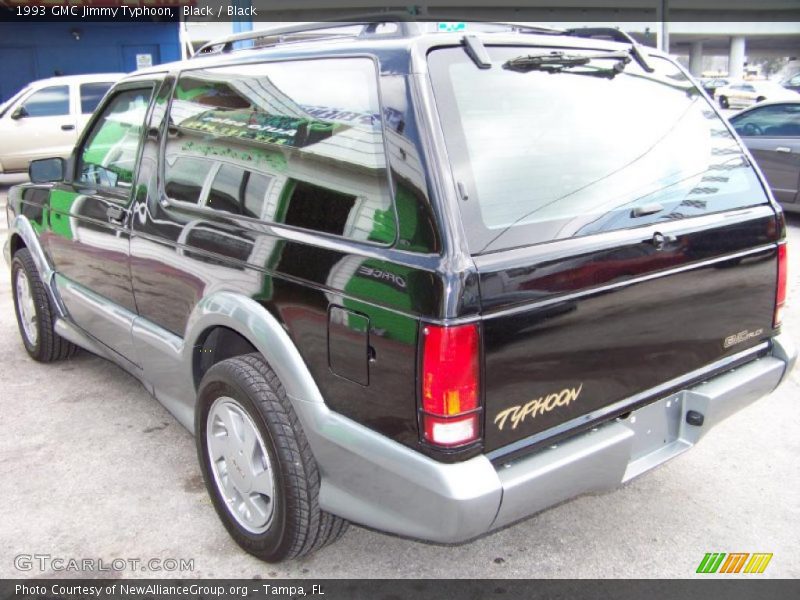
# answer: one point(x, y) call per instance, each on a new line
point(696, 59)
point(244, 25)
point(662, 25)
point(736, 57)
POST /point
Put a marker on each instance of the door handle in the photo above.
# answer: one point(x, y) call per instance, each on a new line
point(68, 127)
point(783, 149)
point(115, 214)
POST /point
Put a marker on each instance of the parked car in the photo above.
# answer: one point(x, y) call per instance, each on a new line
point(44, 118)
point(407, 279)
point(771, 131)
point(711, 84)
point(792, 83)
point(746, 93)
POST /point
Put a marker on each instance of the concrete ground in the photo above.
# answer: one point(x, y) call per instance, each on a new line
point(93, 467)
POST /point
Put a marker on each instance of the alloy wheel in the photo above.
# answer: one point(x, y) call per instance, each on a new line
point(240, 464)
point(26, 308)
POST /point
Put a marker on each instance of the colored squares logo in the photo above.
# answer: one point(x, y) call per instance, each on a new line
point(735, 562)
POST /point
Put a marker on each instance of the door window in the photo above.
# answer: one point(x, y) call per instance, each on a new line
point(777, 120)
point(48, 102)
point(108, 155)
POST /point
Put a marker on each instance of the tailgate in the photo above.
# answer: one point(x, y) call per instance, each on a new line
point(568, 331)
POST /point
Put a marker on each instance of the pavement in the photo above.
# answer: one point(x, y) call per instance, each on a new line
point(94, 468)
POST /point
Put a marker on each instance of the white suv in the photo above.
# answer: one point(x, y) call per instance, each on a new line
point(45, 118)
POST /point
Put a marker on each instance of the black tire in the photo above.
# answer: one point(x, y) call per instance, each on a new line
point(298, 527)
point(48, 345)
point(723, 102)
point(760, 99)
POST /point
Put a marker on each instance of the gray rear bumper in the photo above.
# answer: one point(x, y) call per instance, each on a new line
point(371, 480)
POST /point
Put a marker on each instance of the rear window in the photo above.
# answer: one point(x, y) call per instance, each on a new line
point(91, 94)
point(544, 156)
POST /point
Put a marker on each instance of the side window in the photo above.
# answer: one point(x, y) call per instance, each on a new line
point(48, 102)
point(91, 94)
point(299, 143)
point(108, 155)
point(777, 120)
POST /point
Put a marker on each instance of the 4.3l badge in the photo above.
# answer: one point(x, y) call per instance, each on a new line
point(537, 406)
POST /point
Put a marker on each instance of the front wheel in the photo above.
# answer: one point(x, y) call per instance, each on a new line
point(257, 464)
point(723, 102)
point(35, 314)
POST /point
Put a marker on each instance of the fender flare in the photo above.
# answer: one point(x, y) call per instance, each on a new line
point(21, 226)
point(255, 323)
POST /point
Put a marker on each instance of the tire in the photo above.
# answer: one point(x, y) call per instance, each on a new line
point(760, 99)
point(274, 523)
point(723, 102)
point(35, 313)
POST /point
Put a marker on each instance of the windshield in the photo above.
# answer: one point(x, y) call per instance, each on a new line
point(550, 155)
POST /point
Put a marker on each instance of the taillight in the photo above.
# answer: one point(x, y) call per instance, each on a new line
point(780, 294)
point(450, 385)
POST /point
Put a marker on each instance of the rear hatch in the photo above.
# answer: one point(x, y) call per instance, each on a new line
point(623, 241)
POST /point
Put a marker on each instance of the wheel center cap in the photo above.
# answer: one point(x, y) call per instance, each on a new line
point(239, 475)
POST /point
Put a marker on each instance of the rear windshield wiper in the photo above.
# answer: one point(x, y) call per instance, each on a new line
point(556, 62)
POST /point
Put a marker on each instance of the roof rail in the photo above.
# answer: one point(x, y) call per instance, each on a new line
point(407, 26)
point(225, 44)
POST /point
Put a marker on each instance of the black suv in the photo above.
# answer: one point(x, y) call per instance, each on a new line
point(429, 282)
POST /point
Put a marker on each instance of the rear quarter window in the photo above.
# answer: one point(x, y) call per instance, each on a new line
point(546, 156)
point(298, 143)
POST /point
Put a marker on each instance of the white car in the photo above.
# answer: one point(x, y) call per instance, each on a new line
point(741, 94)
point(45, 118)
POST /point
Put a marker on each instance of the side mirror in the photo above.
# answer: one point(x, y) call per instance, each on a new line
point(46, 170)
point(19, 113)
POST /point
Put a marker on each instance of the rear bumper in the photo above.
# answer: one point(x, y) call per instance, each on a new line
point(371, 480)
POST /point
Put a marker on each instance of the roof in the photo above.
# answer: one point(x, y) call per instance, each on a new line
point(87, 78)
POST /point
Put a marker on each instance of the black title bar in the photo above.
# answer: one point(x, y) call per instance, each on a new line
point(428, 10)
